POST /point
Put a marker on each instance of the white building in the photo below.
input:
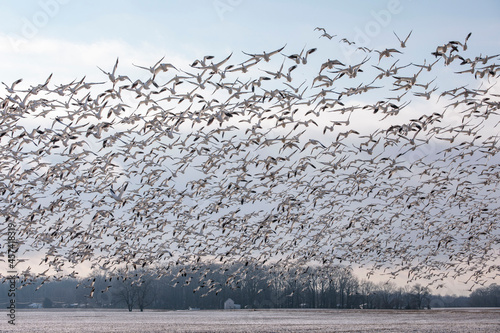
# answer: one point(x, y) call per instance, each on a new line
point(35, 306)
point(230, 305)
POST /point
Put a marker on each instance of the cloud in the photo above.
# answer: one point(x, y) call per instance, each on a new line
point(34, 60)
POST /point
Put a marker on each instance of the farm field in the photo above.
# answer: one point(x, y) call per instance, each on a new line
point(276, 320)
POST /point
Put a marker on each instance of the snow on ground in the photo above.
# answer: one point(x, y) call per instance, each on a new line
point(286, 320)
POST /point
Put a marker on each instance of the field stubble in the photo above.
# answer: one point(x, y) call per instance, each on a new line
point(283, 320)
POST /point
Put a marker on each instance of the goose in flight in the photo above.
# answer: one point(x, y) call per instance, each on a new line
point(119, 196)
point(157, 68)
point(403, 42)
point(11, 88)
point(386, 53)
point(112, 75)
point(298, 58)
point(266, 56)
point(213, 67)
point(325, 34)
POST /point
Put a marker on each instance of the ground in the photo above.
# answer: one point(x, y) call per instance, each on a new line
point(282, 320)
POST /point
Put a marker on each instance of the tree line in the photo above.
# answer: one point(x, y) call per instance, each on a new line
point(209, 286)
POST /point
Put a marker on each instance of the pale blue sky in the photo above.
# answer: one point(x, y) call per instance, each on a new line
point(70, 38)
point(191, 29)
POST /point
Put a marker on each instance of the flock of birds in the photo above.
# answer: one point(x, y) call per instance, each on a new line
point(263, 162)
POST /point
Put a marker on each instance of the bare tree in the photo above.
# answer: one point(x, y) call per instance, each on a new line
point(420, 296)
point(126, 293)
point(386, 293)
point(144, 293)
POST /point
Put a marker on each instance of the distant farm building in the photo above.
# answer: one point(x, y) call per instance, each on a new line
point(230, 305)
point(35, 306)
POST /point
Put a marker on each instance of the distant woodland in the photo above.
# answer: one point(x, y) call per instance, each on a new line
point(182, 289)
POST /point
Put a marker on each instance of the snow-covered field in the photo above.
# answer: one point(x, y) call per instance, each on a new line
point(442, 320)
